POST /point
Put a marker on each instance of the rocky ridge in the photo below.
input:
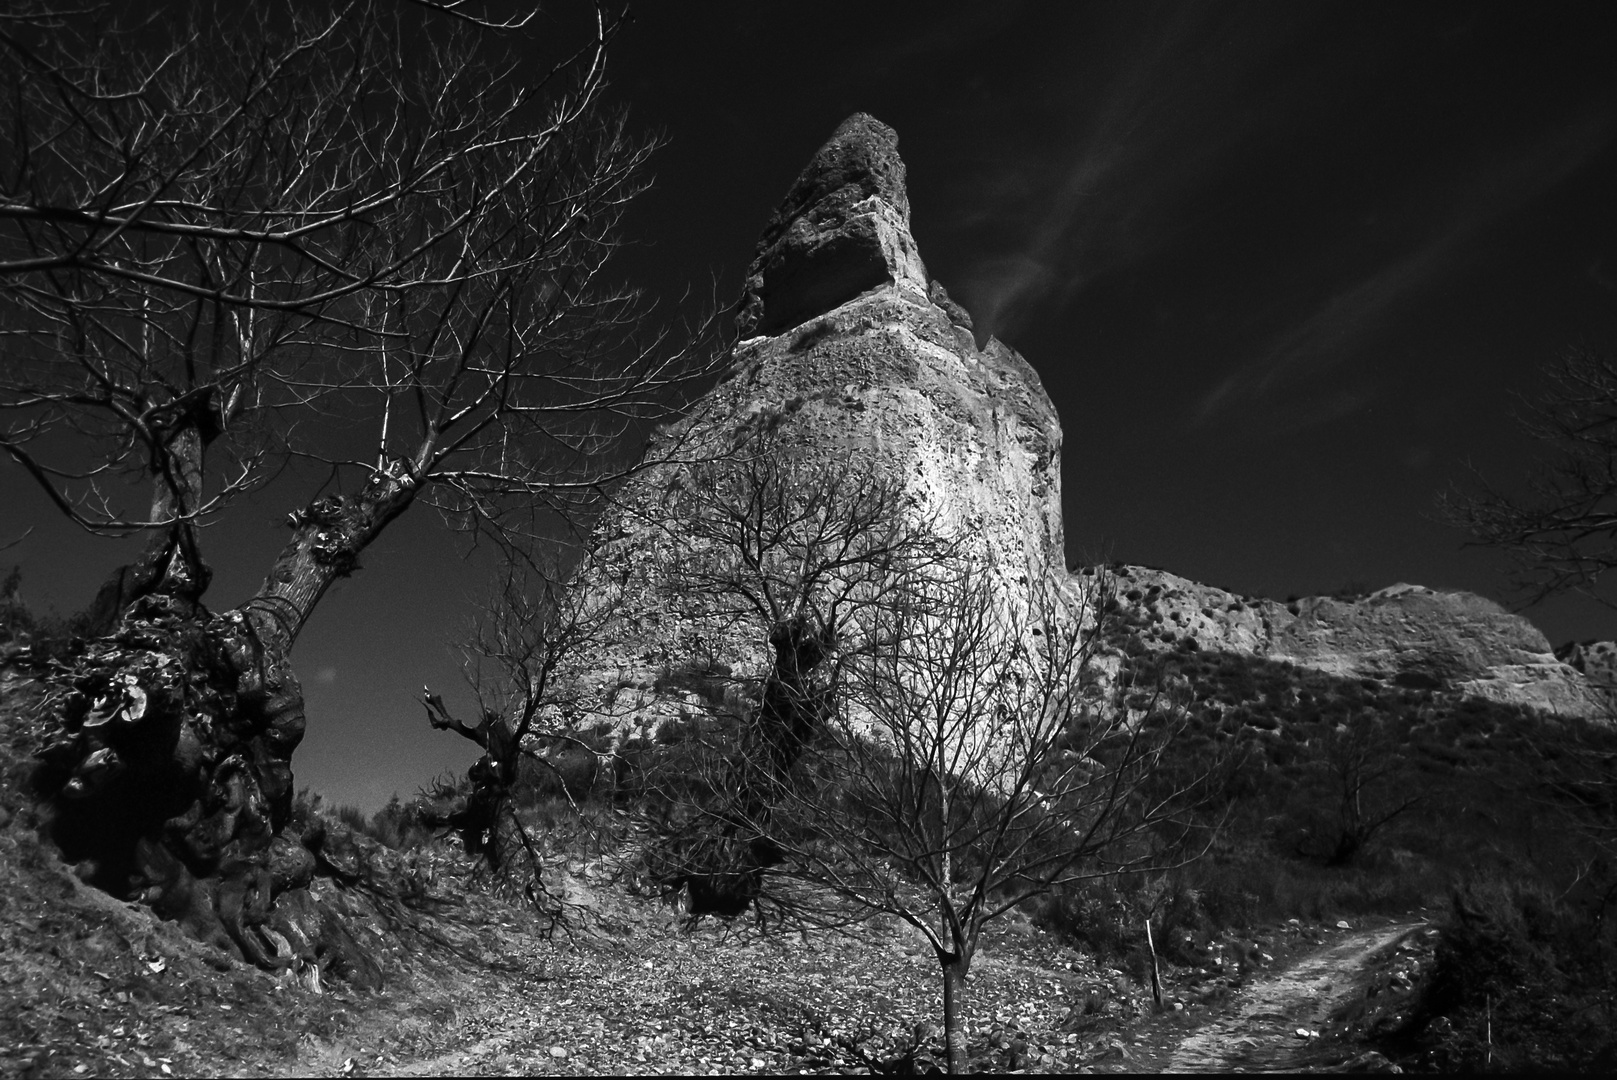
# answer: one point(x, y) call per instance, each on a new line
point(1403, 632)
point(1597, 661)
point(849, 352)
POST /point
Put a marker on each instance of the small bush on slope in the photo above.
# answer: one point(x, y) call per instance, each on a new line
point(398, 825)
point(24, 631)
point(1479, 766)
point(1522, 981)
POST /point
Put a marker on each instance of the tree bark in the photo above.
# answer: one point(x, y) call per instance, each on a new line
point(954, 989)
point(721, 856)
point(168, 777)
point(327, 537)
point(793, 707)
point(172, 565)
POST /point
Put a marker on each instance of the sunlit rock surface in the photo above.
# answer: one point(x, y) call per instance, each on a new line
point(847, 351)
point(1469, 643)
point(1597, 661)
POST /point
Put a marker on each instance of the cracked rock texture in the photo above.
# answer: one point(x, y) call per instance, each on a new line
point(843, 228)
point(1597, 660)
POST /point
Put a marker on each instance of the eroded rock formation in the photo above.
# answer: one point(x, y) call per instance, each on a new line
point(1597, 662)
point(848, 354)
point(843, 229)
point(1463, 641)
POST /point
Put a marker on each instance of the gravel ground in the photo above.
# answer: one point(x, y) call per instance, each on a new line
point(731, 1000)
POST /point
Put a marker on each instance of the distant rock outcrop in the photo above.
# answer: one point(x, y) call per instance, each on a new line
point(1403, 633)
point(1597, 661)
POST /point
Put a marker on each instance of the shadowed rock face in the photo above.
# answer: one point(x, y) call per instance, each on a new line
point(843, 228)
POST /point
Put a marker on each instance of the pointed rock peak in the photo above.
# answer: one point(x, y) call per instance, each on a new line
point(858, 161)
point(843, 228)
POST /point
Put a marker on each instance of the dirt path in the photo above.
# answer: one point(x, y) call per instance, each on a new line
point(714, 1000)
point(1258, 1029)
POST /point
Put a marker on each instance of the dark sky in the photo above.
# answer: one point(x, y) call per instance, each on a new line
point(1283, 268)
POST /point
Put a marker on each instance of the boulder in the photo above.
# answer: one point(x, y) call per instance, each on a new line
point(1597, 662)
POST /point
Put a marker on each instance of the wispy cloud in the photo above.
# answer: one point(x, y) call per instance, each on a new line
point(1336, 328)
point(1166, 121)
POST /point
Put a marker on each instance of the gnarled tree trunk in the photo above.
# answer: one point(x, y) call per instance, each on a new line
point(168, 777)
point(721, 858)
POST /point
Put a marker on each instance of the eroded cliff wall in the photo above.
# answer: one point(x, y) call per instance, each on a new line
point(848, 355)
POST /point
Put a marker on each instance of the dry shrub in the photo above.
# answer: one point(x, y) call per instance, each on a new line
point(1523, 980)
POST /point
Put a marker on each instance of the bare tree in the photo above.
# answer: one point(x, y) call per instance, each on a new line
point(935, 746)
point(365, 235)
point(1562, 537)
point(526, 634)
point(770, 556)
point(1561, 534)
point(977, 764)
point(1361, 762)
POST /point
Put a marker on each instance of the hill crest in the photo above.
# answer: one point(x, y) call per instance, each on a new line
point(1403, 631)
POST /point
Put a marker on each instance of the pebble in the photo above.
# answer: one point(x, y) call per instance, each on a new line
point(558, 1051)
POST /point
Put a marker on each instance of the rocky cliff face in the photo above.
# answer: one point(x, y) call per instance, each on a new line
point(848, 346)
point(1458, 639)
point(1597, 662)
point(847, 353)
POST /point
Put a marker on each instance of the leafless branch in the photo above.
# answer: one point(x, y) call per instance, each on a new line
point(1560, 532)
point(923, 741)
point(214, 248)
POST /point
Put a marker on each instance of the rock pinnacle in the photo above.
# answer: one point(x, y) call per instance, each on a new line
point(843, 228)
